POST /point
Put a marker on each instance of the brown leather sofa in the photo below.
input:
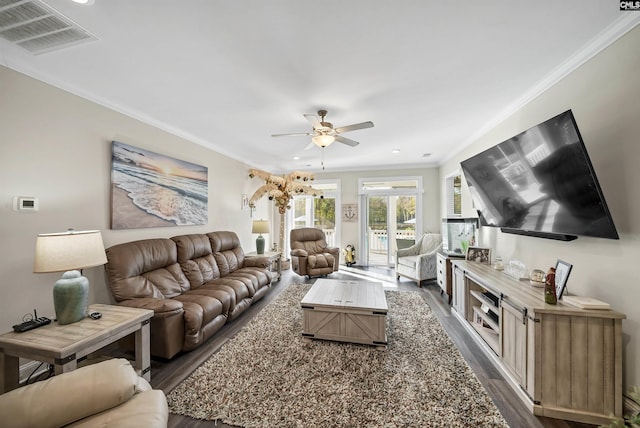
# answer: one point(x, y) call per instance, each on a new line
point(106, 394)
point(310, 254)
point(194, 284)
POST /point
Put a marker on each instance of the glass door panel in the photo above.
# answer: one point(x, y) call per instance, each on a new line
point(378, 243)
point(405, 224)
point(391, 224)
point(316, 212)
point(325, 218)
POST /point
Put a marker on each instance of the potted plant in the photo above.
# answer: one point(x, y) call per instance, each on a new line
point(630, 419)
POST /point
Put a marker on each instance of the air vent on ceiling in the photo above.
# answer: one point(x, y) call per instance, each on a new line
point(38, 28)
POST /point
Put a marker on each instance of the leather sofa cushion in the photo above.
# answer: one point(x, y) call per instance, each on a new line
point(198, 311)
point(311, 240)
point(148, 410)
point(75, 395)
point(227, 251)
point(234, 286)
point(147, 268)
point(320, 261)
point(196, 259)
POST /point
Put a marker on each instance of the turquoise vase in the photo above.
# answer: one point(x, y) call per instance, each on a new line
point(260, 245)
point(71, 297)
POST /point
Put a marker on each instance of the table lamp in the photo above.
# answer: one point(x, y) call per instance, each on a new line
point(260, 226)
point(67, 252)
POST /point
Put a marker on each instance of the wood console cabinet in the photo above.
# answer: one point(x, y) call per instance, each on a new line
point(564, 362)
point(444, 273)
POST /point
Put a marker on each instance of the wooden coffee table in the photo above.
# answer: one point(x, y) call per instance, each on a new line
point(346, 311)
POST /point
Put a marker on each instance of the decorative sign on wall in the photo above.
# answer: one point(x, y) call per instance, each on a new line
point(152, 190)
point(349, 212)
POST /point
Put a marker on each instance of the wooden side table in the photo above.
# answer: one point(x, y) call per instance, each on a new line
point(275, 262)
point(63, 345)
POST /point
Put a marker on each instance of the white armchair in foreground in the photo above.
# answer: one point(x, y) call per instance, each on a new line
point(418, 262)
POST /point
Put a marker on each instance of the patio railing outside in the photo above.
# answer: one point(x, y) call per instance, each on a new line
point(377, 238)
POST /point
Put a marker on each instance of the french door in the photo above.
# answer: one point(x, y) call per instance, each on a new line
point(392, 214)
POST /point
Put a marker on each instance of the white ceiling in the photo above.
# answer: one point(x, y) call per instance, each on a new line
point(431, 75)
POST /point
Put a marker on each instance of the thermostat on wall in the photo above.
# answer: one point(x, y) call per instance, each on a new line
point(25, 203)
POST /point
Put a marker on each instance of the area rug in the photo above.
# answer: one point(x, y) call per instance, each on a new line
point(268, 376)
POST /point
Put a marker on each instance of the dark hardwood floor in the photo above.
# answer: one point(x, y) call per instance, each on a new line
point(166, 375)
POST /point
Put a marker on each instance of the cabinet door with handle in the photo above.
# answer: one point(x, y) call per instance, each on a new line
point(459, 292)
point(513, 337)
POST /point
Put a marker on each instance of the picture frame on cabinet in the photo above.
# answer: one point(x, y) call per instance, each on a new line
point(479, 254)
point(563, 269)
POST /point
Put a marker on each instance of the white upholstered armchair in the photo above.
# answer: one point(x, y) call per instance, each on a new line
point(418, 262)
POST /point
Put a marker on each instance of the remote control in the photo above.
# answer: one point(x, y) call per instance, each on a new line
point(31, 324)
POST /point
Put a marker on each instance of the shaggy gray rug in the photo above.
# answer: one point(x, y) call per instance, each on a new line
point(268, 376)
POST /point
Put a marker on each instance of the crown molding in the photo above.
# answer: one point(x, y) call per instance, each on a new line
point(608, 36)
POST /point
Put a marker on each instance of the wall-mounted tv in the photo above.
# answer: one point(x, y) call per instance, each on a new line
point(540, 183)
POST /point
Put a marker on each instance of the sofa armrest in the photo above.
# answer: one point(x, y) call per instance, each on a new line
point(161, 308)
point(70, 396)
point(299, 252)
point(431, 253)
point(148, 410)
point(259, 261)
point(413, 250)
point(403, 252)
point(425, 258)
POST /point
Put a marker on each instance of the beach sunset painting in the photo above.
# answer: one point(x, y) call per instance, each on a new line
point(152, 190)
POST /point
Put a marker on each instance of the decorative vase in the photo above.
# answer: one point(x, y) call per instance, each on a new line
point(550, 287)
point(260, 244)
point(71, 297)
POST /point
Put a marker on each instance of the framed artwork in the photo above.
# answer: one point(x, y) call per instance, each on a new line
point(350, 212)
point(153, 190)
point(563, 269)
point(479, 254)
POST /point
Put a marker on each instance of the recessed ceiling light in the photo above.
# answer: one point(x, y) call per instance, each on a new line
point(87, 2)
point(395, 151)
point(296, 158)
point(426, 155)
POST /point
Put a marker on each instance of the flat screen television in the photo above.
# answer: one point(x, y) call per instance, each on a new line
point(540, 183)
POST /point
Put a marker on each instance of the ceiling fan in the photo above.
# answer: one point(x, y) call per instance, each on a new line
point(324, 133)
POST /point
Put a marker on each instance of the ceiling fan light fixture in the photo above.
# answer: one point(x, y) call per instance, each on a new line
point(323, 140)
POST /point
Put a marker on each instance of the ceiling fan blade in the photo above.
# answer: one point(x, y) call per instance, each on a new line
point(314, 120)
point(299, 134)
point(347, 141)
point(354, 127)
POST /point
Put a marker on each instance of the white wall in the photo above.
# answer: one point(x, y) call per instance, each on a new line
point(57, 147)
point(349, 233)
point(603, 94)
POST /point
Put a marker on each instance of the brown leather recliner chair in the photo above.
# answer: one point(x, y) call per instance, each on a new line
point(310, 254)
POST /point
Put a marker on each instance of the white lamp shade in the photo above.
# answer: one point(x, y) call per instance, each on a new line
point(260, 226)
point(59, 252)
point(323, 140)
